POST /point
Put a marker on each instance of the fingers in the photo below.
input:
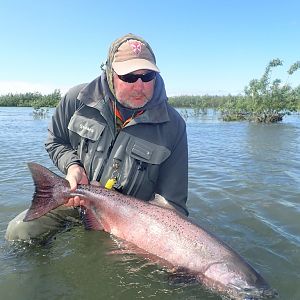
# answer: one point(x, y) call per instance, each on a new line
point(84, 179)
point(76, 201)
point(70, 202)
point(73, 183)
point(76, 175)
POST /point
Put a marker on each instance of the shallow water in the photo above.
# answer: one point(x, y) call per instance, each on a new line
point(244, 185)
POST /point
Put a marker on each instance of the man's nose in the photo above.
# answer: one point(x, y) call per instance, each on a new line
point(138, 85)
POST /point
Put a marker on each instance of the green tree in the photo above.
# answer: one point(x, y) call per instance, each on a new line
point(265, 100)
point(35, 100)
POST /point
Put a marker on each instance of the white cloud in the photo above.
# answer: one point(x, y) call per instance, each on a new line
point(19, 87)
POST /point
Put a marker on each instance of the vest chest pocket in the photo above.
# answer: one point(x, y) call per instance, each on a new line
point(141, 167)
point(85, 127)
point(87, 138)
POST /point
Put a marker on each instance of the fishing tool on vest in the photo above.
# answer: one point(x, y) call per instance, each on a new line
point(115, 174)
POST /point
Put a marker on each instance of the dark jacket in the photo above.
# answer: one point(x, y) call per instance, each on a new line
point(146, 157)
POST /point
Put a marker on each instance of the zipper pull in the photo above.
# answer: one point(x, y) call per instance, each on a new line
point(141, 165)
point(86, 145)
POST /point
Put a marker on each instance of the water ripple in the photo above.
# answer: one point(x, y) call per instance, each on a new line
point(243, 186)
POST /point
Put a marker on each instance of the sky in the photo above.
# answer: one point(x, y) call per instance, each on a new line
point(201, 47)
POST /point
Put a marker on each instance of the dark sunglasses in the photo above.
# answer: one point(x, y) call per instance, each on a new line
point(131, 78)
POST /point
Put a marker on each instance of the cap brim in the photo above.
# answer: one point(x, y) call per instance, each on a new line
point(128, 66)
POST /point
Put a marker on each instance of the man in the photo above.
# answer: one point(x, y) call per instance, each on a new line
point(119, 131)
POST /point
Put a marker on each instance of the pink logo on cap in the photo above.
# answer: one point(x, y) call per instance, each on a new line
point(136, 47)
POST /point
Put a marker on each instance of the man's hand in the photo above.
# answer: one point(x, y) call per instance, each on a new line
point(76, 175)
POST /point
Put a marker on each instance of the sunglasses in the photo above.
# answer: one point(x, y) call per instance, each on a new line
point(131, 78)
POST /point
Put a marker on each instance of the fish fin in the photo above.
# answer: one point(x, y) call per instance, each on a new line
point(180, 276)
point(161, 201)
point(49, 191)
point(89, 219)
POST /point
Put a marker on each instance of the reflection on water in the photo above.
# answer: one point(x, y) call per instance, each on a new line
point(243, 185)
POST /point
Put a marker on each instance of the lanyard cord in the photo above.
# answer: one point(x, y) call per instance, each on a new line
point(117, 115)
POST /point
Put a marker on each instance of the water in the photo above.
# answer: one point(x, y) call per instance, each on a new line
point(244, 185)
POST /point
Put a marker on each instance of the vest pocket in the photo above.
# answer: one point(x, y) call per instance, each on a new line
point(90, 142)
point(87, 128)
point(141, 167)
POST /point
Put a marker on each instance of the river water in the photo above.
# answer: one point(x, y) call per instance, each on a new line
point(244, 186)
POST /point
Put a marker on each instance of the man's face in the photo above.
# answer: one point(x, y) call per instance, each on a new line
point(135, 94)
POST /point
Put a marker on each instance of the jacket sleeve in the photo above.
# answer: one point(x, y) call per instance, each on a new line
point(172, 182)
point(58, 143)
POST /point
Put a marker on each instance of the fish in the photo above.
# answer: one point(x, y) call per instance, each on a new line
point(161, 232)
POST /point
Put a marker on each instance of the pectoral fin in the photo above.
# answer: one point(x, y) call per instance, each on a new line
point(89, 219)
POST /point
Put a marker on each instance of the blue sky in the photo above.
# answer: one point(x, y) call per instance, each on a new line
point(202, 47)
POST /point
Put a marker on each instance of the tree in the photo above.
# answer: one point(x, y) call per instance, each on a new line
point(265, 100)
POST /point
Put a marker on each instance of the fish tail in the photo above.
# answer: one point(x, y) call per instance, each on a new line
point(51, 191)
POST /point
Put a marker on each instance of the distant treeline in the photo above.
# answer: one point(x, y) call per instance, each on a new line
point(200, 102)
point(35, 100)
point(263, 100)
point(218, 102)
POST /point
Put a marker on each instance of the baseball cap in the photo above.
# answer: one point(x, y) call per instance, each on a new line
point(133, 55)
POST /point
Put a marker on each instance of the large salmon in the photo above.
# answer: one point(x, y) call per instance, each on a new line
point(156, 230)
